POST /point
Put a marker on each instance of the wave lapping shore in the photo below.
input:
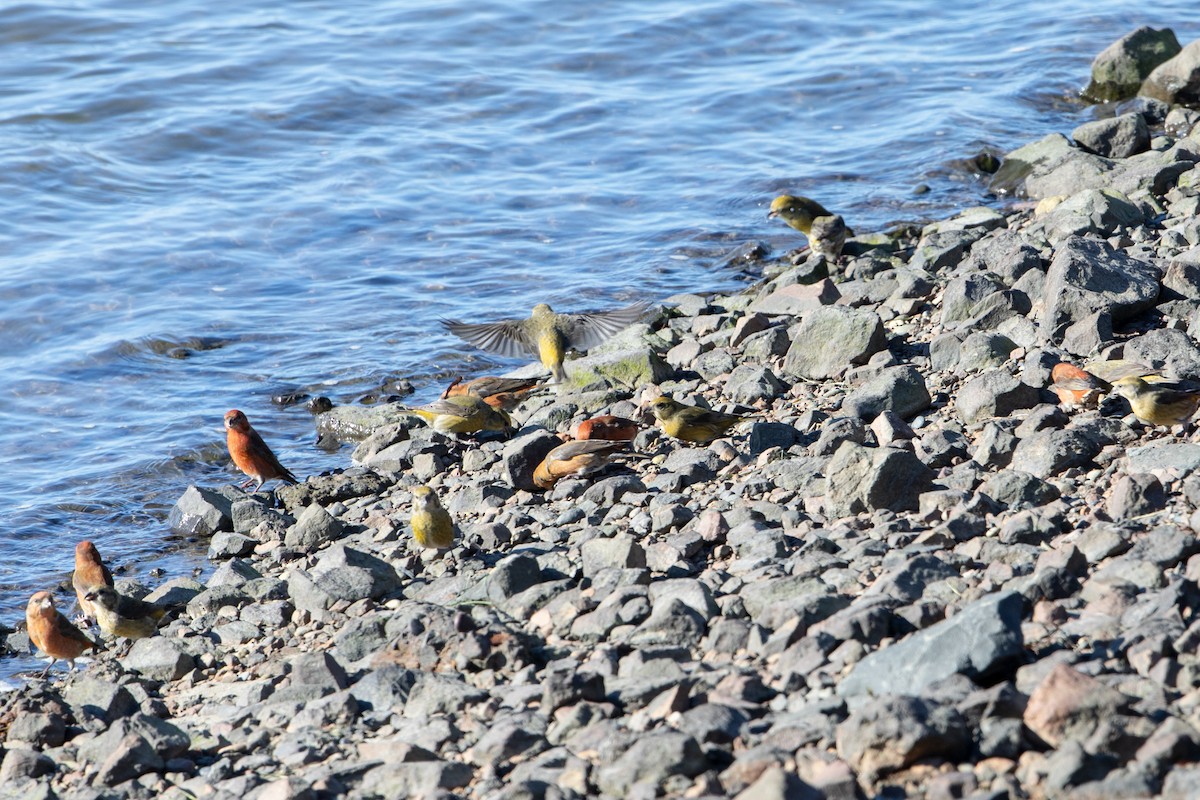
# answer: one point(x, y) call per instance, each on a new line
point(909, 572)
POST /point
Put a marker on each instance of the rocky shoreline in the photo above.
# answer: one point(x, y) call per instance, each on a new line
point(909, 573)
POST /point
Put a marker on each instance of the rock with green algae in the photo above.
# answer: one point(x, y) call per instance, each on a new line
point(1119, 70)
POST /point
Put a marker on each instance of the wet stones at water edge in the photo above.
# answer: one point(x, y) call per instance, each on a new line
point(910, 564)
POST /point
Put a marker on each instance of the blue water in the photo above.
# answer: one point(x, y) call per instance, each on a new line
point(203, 207)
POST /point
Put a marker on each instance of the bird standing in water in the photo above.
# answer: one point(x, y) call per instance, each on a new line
point(546, 334)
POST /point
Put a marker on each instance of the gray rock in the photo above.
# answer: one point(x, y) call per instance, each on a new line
point(963, 293)
point(1050, 452)
point(313, 528)
point(942, 447)
point(1136, 495)
point(200, 512)
point(995, 393)
point(937, 250)
point(831, 339)
point(159, 658)
point(619, 551)
point(982, 641)
point(867, 479)
point(513, 575)
point(304, 592)
point(605, 493)
point(522, 455)
point(899, 389)
point(42, 730)
point(630, 367)
point(251, 512)
point(1088, 276)
point(1176, 80)
point(508, 737)
point(672, 623)
point(384, 688)
point(889, 733)
point(1173, 349)
point(1119, 70)
point(345, 573)
point(1015, 489)
point(439, 693)
point(776, 784)
point(797, 298)
point(994, 445)
point(21, 763)
point(93, 697)
point(907, 582)
point(751, 382)
point(1092, 212)
point(1117, 137)
point(132, 757)
point(325, 490)
point(415, 779)
point(654, 757)
point(1004, 253)
point(229, 545)
point(836, 431)
point(1074, 172)
point(1017, 165)
point(1182, 457)
point(984, 350)
point(765, 435)
point(1183, 274)
point(689, 591)
point(805, 600)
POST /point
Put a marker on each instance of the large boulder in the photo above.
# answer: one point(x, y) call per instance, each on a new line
point(1088, 276)
point(1119, 70)
point(1177, 81)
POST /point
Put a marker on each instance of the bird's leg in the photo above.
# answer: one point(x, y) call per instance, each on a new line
point(246, 484)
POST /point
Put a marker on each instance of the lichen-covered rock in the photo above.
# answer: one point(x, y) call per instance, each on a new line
point(1119, 70)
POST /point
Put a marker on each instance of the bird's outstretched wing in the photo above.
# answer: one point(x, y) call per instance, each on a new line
point(506, 337)
point(588, 329)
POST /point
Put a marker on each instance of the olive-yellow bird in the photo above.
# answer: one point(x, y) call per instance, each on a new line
point(1158, 403)
point(690, 423)
point(546, 334)
point(431, 524)
point(825, 230)
point(119, 615)
point(464, 413)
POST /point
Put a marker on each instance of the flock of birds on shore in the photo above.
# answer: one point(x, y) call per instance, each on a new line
point(483, 405)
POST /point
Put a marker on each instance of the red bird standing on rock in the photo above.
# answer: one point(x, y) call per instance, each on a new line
point(250, 453)
point(53, 633)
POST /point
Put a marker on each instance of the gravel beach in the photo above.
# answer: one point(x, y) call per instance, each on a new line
point(908, 573)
